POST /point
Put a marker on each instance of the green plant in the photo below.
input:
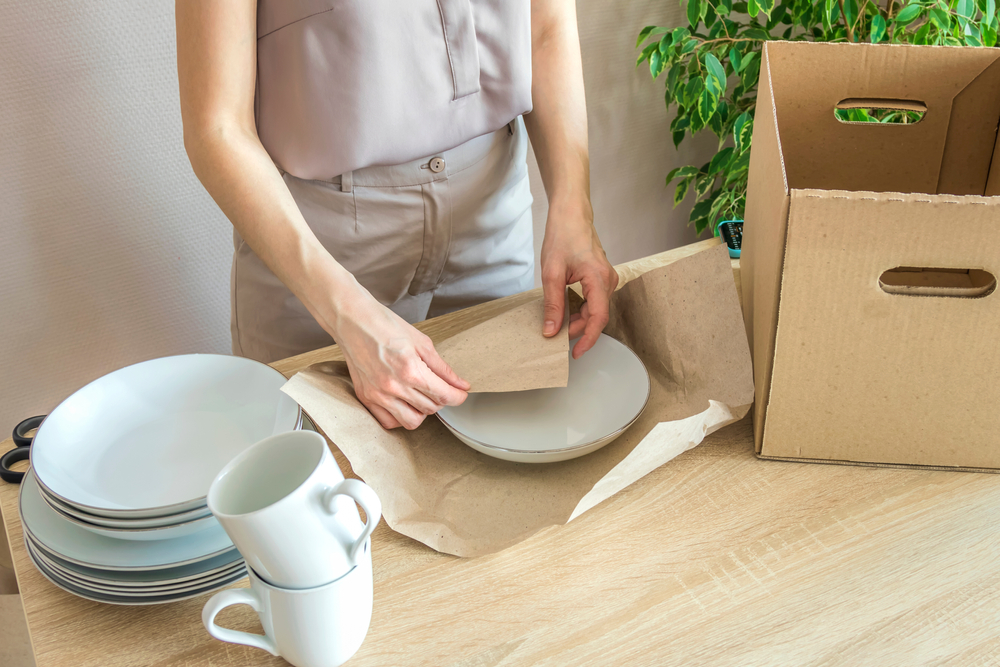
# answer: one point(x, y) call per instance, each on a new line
point(711, 66)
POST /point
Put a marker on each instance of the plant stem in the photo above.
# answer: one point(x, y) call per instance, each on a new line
point(843, 14)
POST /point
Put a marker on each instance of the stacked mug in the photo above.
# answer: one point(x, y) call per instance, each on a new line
point(288, 509)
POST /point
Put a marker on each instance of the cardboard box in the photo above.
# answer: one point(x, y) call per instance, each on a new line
point(870, 257)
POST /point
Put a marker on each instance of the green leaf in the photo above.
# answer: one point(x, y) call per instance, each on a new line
point(905, 15)
point(973, 38)
point(690, 45)
point(941, 18)
point(724, 8)
point(692, 92)
point(707, 104)
point(966, 8)
point(766, 6)
point(877, 29)
point(989, 36)
point(741, 131)
point(734, 59)
point(991, 10)
point(720, 161)
point(701, 209)
point(694, 12)
point(716, 75)
point(679, 35)
point(646, 52)
point(753, 8)
point(703, 184)
point(751, 74)
point(850, 11)
point(747, 59)
point(681, 172)
point(646, 32)
point(681, 191)
point(829, 6)
point(678, 137)
point(656, 63)
point(665, 45)
point(921, 36)
point(673, 76)
point(757, 33)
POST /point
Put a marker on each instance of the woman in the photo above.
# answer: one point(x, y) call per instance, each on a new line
point(371, 157)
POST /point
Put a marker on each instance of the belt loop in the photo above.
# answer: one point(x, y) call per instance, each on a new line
point(347, 181)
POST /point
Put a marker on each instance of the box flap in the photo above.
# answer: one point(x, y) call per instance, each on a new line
point(763, 243)
point(820, 152)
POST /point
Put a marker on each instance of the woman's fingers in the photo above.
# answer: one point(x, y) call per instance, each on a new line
point(577, 322)
point(442, 370)
point(598, 297)
point(382, 415)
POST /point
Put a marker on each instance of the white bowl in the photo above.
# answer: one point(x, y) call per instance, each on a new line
point(128, 524)
point(147, 440)
point(141, 534)
point(607, 391)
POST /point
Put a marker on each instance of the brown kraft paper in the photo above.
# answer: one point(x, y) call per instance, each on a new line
point(683, 320)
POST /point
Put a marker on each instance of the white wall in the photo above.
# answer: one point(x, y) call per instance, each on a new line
point(113, 253)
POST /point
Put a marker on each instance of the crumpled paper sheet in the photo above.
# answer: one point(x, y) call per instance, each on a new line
point(684, 322)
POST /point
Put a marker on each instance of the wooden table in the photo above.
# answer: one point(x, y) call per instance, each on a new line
point(716, 558)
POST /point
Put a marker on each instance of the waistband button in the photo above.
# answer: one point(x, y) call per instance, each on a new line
point(437, 165)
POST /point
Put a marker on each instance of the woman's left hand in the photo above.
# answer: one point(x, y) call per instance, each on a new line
point(572, 252)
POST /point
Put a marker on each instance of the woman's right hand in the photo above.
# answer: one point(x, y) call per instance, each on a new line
point(397, 373)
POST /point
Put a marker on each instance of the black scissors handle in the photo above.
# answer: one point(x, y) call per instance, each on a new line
point(21, 452)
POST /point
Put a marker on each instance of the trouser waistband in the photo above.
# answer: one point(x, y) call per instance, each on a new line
point(419, 171)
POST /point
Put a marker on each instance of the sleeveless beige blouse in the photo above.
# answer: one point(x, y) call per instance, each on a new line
point(346, 84)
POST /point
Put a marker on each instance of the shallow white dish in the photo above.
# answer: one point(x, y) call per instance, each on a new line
point(148, 439)
point(75, 544)
point(607, 391)
point(141, 534)
point(130, 600)
point(96, 519)
point(227, 563)
point(139, 591)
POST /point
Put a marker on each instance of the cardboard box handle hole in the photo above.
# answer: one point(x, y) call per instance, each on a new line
point(863, 110)
point(923, 281)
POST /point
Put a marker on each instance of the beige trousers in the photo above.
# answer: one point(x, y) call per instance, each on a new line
point(425, 238)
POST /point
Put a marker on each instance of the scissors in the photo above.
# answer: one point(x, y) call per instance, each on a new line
point(21, 452)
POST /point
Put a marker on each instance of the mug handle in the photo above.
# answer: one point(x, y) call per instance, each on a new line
point(363, 495)
point(228, 598)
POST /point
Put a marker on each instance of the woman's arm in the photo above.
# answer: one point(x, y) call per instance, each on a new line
point(557, 126)
point(397, 373)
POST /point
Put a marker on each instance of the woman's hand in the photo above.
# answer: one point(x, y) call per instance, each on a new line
point(572, 252)
point(397, 373)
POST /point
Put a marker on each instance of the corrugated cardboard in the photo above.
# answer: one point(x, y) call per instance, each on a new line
point(853, 364)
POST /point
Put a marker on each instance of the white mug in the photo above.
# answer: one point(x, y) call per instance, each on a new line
point(288, 509)
point(316, 627)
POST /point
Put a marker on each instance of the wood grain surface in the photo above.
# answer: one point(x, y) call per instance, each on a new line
point(716, 558)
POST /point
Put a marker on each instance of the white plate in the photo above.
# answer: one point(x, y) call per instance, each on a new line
point(126, 589)
point(83, 547)
point(227, 563)
point(148, 439)
point(140, 534)
point(607, 391)
point(167, 520)
point(59, 582)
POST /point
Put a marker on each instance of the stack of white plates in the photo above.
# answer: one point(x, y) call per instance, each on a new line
point(115, 508)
